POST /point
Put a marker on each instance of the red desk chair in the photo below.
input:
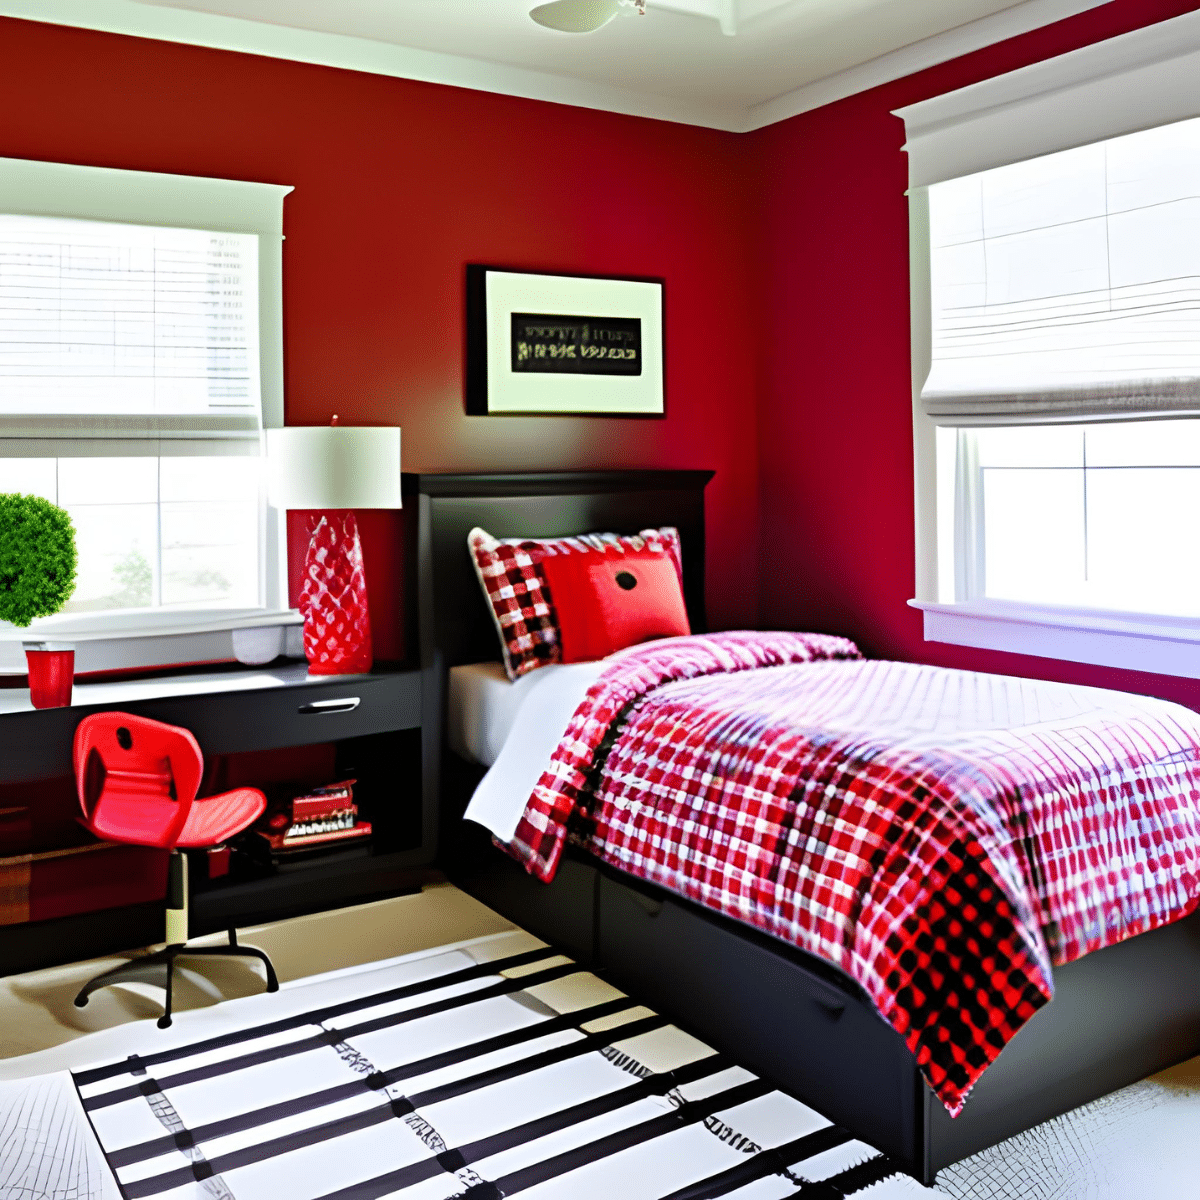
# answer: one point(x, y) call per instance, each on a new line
point(137, 782)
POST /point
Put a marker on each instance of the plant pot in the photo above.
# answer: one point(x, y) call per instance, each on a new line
point(51, 673)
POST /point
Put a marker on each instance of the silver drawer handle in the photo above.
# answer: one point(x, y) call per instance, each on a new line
point(317, 707)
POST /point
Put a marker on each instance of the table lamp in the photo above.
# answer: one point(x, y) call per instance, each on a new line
point(334, 467)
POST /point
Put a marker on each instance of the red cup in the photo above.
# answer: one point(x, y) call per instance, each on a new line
point(51, 675)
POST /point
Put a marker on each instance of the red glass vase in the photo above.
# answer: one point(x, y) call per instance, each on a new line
point(333, 599)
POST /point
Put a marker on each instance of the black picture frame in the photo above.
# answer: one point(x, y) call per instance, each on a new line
point(551, 344)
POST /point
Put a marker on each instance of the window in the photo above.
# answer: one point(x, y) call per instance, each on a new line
point(140, 341)
point(172, 533)
point(1056, 348)
point(1096, 516)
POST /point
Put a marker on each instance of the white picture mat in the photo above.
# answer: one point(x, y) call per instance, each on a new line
point(560, 295)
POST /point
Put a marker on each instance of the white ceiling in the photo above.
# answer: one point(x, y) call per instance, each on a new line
point(674, 62)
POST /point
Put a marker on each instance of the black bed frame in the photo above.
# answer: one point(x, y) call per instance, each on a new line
point(1118, 1014)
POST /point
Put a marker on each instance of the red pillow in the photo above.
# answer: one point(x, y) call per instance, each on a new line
point(609, 603)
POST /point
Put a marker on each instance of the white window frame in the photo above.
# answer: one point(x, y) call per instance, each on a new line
point(1136, 81)
point(1161, 645)
point(146, 639)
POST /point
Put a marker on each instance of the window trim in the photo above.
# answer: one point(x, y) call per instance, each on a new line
point(1132, 641)
point(149, 648)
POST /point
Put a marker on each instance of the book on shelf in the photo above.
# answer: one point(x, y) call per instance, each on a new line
point(322, 817)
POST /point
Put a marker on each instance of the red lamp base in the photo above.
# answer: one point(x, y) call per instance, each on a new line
point(333, 600)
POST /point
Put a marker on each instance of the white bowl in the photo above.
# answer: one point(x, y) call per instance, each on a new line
point(259, 644)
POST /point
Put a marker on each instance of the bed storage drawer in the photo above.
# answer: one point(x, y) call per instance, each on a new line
point(766, 1010)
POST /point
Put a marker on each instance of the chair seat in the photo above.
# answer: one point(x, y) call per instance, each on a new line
point(215, 818)
point(212, 820)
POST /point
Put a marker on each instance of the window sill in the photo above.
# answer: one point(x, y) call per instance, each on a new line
point(1160, 645)
point(134, 641)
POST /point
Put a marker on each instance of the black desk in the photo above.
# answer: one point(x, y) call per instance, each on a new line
point(373, 720)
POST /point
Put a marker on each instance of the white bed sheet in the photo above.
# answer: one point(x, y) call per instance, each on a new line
point(514, 727)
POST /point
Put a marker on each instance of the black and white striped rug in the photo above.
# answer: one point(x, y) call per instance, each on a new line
point(492, 1069)
point(495, 1069)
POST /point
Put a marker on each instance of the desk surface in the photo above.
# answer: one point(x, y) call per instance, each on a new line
point(131, 691)
point(227, 711)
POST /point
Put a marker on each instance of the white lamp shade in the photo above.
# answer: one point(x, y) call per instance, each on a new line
point(334, 466)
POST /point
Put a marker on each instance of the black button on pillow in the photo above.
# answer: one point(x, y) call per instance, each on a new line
point(626, 580)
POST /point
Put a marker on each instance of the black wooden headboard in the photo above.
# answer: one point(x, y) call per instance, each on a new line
point(453, 622)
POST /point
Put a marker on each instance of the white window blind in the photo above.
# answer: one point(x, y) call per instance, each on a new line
point(1068, 286)
point(120, 330)
point(115, 249)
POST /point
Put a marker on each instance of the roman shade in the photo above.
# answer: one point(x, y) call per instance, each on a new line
point(1064, 261)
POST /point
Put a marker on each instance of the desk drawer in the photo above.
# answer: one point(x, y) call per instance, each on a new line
point(295, 716)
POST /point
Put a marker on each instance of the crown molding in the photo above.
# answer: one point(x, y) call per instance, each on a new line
point(918, 56)
point(362, 54)
point(383, 58)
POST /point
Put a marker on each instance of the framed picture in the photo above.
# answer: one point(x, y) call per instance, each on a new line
point(556, 344)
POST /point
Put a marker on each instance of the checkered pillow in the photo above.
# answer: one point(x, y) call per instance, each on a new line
point(511, 575)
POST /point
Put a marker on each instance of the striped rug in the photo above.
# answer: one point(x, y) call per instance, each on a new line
point(495, 1068)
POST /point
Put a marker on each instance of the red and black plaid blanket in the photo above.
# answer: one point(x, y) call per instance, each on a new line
point(943, 837)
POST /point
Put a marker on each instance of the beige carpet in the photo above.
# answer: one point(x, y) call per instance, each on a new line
point(37, 1010)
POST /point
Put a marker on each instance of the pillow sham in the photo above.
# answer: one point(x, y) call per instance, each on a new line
point(520, 599)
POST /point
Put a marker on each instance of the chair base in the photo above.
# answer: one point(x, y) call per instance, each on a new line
point(159, 969)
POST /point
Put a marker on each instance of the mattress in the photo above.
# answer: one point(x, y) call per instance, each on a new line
point(513, 728)
point(483, 704)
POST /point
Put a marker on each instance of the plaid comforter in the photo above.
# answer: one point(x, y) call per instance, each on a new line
point(943, 837)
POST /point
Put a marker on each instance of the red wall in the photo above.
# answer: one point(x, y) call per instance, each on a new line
point(398, 186)
point(835, 413)
point(792, 240)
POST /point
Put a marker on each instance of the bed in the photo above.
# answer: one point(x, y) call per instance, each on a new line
point(1118, 1013)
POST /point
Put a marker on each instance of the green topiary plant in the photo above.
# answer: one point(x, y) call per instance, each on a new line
point(37, 558)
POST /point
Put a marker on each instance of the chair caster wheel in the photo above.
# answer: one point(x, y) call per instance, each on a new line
point(164, 1022)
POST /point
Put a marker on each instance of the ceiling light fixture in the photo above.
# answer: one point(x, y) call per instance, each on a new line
point(582, 16)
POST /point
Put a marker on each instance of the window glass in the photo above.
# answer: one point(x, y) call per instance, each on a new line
point(150, 532)
point(107, 481)
point(29, 477)
point(1097, 516)
point(117, 556)
point(1143, 545)
point(1033, 533)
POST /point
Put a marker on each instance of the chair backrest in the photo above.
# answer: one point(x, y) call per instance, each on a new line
point(136, 778)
